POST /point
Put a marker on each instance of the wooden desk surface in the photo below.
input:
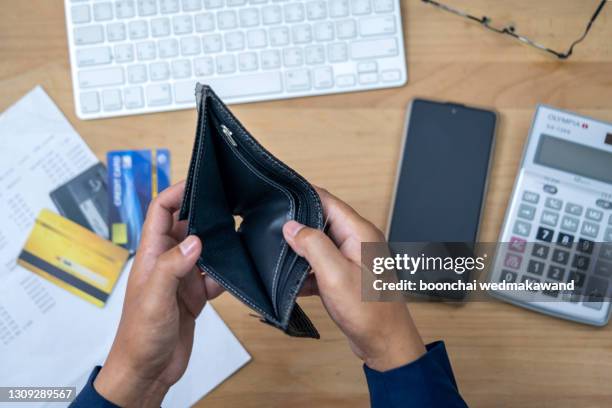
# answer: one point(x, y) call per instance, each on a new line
point(503, 356)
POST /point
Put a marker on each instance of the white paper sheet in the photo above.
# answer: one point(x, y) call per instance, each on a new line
point(49, 337)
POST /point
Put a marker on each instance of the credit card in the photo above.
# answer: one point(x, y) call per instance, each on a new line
point(73, 257)
point(135, 177)
point(84, 200)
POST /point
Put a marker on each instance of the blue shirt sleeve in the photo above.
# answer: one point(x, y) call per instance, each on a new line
point(426, 382)
point(89, 397)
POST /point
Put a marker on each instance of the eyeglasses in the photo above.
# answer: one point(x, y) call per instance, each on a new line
point(510, 30)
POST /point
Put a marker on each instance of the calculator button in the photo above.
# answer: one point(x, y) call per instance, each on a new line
point(569, 224)
point(596, 290)
point(580, 262)
point(608, 235)
point(535, 267)
point(550, 218)
point(560, 256)
point(593, 214)
point(513, 261)
point(531, 197)
point(526, 279)
point(522, 228)
point(517, 244)
point(556, 273)
point(577, 277)
point(551, 293)
point(603, 269)
point(540, 251)
point(589, 229)
point(573, 209)
point(544, 234)
point(526, 211)
point(554, 203)
point(584, 245)
point(550, 189)
point(606, 252)
point(565, 239)
point(508, 276)
point(605, 204)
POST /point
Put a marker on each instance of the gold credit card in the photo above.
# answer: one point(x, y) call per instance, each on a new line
point(73, 258)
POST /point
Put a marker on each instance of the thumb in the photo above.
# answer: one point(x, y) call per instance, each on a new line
point(312, 244)
point(175, 264)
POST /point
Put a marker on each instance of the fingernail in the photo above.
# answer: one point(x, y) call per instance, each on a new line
point(293, 227)
point(188, 245)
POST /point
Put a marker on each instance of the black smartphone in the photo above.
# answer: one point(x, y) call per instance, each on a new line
point(442, 173)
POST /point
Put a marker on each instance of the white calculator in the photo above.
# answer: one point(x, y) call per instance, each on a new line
point(558, 224)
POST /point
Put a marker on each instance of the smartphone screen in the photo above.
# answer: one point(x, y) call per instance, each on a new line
point(443, 172)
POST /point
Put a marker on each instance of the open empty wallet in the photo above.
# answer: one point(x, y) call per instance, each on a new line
point(230, 175)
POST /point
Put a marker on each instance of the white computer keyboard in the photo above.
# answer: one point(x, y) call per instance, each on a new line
point(131, 57)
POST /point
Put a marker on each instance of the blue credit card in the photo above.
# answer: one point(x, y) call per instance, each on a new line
point(135, 177)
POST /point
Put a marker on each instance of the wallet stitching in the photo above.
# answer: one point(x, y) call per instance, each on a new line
point(281, 168)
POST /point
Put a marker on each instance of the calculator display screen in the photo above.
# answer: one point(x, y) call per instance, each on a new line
point(574, 158)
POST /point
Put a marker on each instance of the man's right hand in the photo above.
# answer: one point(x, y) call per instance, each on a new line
point(382, 334)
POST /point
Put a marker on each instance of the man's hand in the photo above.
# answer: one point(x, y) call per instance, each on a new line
point(382, 334)
point(165, 294)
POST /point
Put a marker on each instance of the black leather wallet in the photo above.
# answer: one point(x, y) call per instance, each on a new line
point(231, 174)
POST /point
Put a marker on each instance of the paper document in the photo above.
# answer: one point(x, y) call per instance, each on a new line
point(49, 337)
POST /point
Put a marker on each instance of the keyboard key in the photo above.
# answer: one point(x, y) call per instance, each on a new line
point(226, 64)
point(181, 69)
point(146, 8)
point(346, 29)
point(526, 211)
point(90, 102)
point(508, 276)
point(573, 209)
point(560, 256)
point(272, 15)
point(80, 14)
point(554, 203)
point(133, 98)
point(294, 12)
point(160, 27)
point(581, 262)
point(323, 77)
point(548, 217)
point(603, 269)
point(584, 245)
point(249, 17)
point(137, 74)
point(182, 24)
point(213, 4)
point(159, 71)
point(103, 11)
point(169, 48)
point(168, 6)
point(540, 251)
point(577, 277)
point(116, 32)
point(324, 31)
point(380, 48)
point(315, 54)
point(535, 267)
point(204, 22)
point(234, 41)
point(565, 239)
point(212, 43)
point(377, 25)
point(279, 36)
point(316, 10)
point(338, 8)
point(391, 75)
point(146, 50)
point(531, 197)
point(101, 77)
point(190, 45)
point(298, 80)
point(159, 94)
point(589, 229)
point(138, 29)
point(293, 57)
point(544, 234)
point(337, 52)
point(89, 35)
point(301, 34)
point(384, 6)
point(270, 59)
point(184, 91)
point(257, 38)
point(247, 61)
point(593, 214)
point(191, 5)
point(368, 78)
point(247, 85)
point(569, 224)
point(125, 9)
point(111, 99)
point(93, 56)
point(227, 20)
point(522, 228)
point(361, 7)
point(123, 53)
point(556, 273)
point(236, 3)
point(203, 66)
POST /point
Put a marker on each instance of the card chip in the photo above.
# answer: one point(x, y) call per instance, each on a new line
point(120, 233)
